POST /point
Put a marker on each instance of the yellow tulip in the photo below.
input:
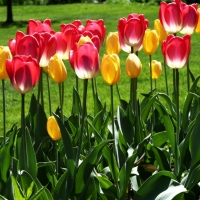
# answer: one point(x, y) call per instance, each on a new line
point(162, 33)
point(112, 43)
point(4, 54)
point(53, 129)
point(197, 29)
point(83, 40)
point(133, 66)
point(110, 68)
point(156, 69)
point(150, 41)
point(57, 70)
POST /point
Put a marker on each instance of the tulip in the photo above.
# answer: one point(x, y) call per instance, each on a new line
point(170, 16)
point(150, 41)
point(162, 34)
point(53, 129)
point(36, 26)
point(23, 72)
point(84, 60)
point(190, 18)
point(4, 54)
point(57, 70)
point(176, 51)
point(48, 47)
point(133, 66)
point(197, 29)
point(156, 68)
point(110, 68)
point(96, 27)
point(131, 32)
point(112, 43)
point(83, 40)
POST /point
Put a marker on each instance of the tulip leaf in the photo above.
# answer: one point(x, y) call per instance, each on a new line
point(159, 138)
point(125, 126)
point(6, 154)
point(86, 167)
point(97, 104)
point(194, 142)
point(161, 185)
point(76, 105)
point(27, 158)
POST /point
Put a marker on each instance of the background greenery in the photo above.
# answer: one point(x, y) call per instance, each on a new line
point(67, 13)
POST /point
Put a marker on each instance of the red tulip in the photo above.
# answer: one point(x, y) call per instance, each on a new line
point(36, 26)
point(84, 59)
point(171, 16)
point(48, 45)
point(23, 72)
point(79, 26)
point(190, 18)
point(96, 27)
point(176, 50)
point(131, 32)
point(25, 45)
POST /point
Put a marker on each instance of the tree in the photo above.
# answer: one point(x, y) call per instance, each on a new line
point(9, 12)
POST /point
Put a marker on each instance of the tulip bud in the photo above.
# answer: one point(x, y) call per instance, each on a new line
point(156, 69)
point(57, 70)
point(110, 68)
point(162, 34)
point(4, 54)
point(150, 41)
point(112, 43)
point(53, 129)
point(133, 66)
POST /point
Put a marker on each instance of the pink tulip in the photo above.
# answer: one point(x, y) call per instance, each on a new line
point(25, 45)
point(48, 45)
point(96, 27)
point(131, 32)
point(171, 16)
point(23, 72)
point(84, 59)
point(190, 18)
point(36, 26)
point(176, 50)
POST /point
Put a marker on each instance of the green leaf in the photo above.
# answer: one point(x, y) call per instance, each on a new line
point(37, 194)
point(156, 185)
point(194, 142)
point(27, 159)
point(125, 126)
point(76, 105)
point(2, 198)
point(6, 155)
point(159, 138)
point(30, 190)
point(16, 192)
point(86, 167)
point(97, 104)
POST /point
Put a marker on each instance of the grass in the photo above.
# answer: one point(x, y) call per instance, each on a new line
point(67, 13)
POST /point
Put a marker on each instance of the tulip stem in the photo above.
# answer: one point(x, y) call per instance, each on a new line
point(49, 94)
point(40, 88)
point(113, 126)
point(134, 93)
point(82, 121)
point(118, 92)
point(93, 90)
point(150, 73)
point(4, 111)
point(166, 82)
point(77, 83)
point(188, 75)
point(23, 114)
point(61, 95)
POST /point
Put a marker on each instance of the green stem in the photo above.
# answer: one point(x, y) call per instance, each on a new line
point(4, 111)
point(188, 75)
point(77, 83)
point(118, 92)
point(40, 88)
point(131, 83)
point(23, 114)
point(82, 121)
point(61, 94)
point(150, 73)
point(49, 94)
point(166, 82)
point(134, 92)
point(113, 126)
point(155, 83)
point(93, 90)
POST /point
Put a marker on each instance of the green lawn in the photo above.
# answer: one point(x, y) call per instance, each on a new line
point(67, 13)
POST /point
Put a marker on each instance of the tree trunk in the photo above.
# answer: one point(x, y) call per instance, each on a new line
point(9, 12)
